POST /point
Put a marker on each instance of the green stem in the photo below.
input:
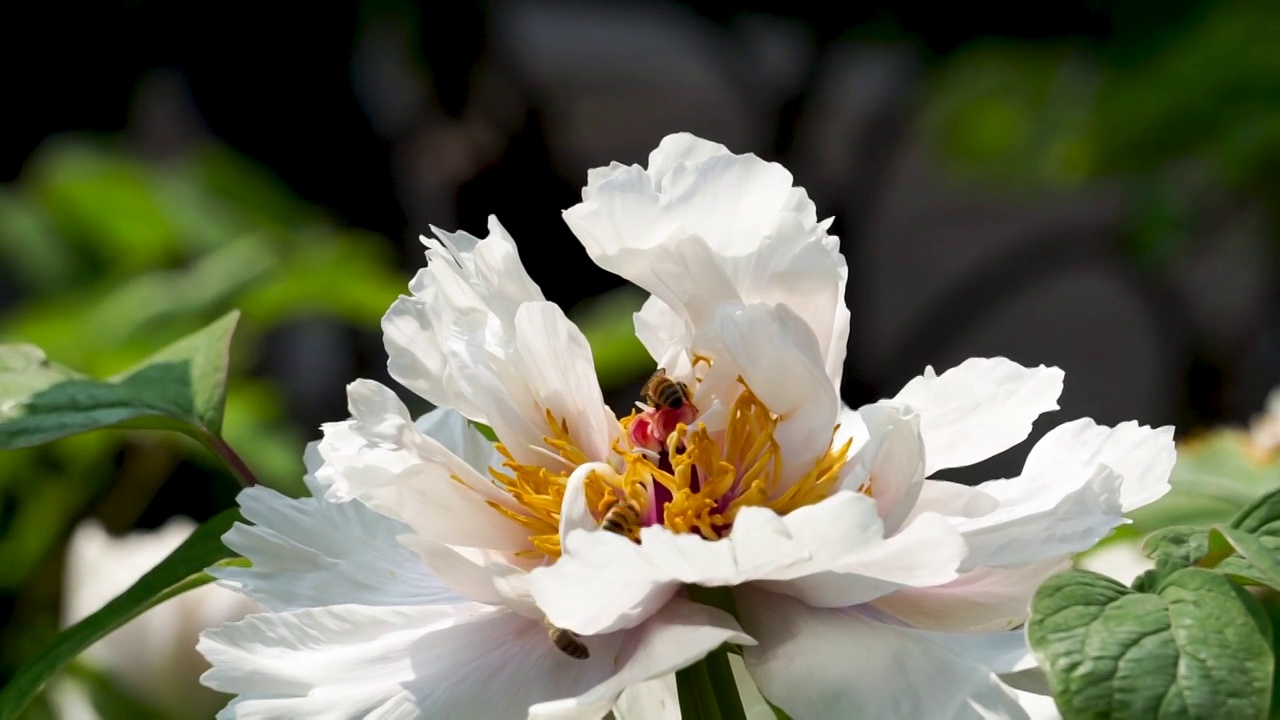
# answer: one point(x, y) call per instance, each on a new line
point(708, 690)
point(697, 696)
point(229, 457)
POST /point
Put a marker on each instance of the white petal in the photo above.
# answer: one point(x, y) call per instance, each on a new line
point(478, 336)
point(604, 582)
point(353, 661)
point(952, 499)
point(892, 460)
point(778, 357)
point(1141, 455)
point(468, 282)
point(1070, 493)
point(460, 661)
point(677, 636)
point(761, 234)
point(851, 562)
point(662, 331)
point(655, 699)
point(831, 553)
point(561, 375)
point(309, 552)
point(838, 663)
point(981, 600)
point(381, 459)
point(981, 407)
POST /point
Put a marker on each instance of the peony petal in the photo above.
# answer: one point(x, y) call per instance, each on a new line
point(604, 582)
point(839, 663)
point(891, 462)
point(760, 234)
point(655, 699)
point(777, 356)
point(1070, 493)
point(851, 562)
point(560, 373)
point(467, 282)
point(982, 600)
point(677, 636)
point(355, 661)
point(443, 661)
point(831, 553)
point(381, 459)
point(461, 341)
point(979, 408)
point(309, 552)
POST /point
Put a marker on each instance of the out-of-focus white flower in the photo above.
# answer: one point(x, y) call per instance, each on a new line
point(866, 584)
point(1264, 428)
point(153, 657)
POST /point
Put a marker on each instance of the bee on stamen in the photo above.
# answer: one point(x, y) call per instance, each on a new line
point(664, 393)
point(568, 642)
point(624, 519)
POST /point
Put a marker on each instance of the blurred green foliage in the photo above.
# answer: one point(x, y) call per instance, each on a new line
point(1172, 118)
point(111, 258)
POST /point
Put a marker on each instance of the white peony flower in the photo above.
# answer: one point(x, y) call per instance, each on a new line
point(152, 658)
point(864, 582)
point(422, 581)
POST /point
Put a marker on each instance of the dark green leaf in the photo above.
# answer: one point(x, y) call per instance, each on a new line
point(1182, 545)
point(1260, 566)
point(181, 387)
point(1201, 647)
point(182, 570)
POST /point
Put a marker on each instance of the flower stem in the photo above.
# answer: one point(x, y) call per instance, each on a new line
point(229, 457)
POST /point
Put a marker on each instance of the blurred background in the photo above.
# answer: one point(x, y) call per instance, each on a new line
point(1083, 184)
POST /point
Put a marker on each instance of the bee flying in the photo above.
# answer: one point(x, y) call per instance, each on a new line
point(664, 393)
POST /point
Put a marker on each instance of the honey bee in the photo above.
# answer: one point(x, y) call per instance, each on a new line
point(568, 642)
point(623, 519)
point(664, 393)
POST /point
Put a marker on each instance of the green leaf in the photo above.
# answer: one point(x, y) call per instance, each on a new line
point(182, 570)
point(1261, 517)
point(181, 387)
point(1260, 564)
point(1181, 546)
point(1200, 647)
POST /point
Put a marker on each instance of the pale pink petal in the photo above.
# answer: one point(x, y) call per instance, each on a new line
point(840, 663)
point(891, 461)
point(981, 600)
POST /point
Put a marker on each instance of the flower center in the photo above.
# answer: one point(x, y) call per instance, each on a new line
point(696, 481)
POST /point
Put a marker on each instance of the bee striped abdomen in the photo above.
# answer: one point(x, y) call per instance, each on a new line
point(664, 393)
point(622, 519)
point(568, 642)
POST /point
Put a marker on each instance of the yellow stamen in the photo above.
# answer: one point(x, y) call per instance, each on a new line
point(712, 476)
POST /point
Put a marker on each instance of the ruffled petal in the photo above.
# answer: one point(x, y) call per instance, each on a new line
point(477, 336)
point(381, 459)
point(831, 553)
point(979, 408)
point(852, 562)
point(309, 552)
point(838, 663)
point(468, 282)
point(466, 660)
point(762, 239)
point(1070, 493)
point(982, 600)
